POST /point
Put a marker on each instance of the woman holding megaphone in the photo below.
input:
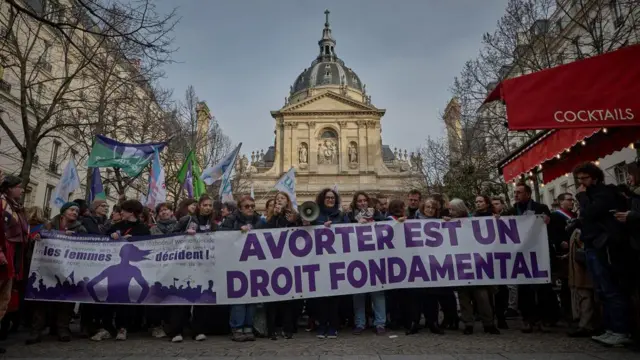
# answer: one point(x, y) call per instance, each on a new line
point(327, 308)
point(284, 313)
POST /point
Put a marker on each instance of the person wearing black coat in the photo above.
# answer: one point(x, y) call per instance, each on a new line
point(202, 221)
point(538, 304)
point(241, 317)
point(608, 252)
point(129, 226)
point(328, 308)
point(560, 238)
point(281, 313)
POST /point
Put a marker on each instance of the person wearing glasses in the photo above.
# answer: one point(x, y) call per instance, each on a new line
point(534, 301)
point(607, 250)
point(560, 237)
point(244, 219)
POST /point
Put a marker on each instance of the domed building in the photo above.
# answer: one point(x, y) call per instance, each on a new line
point(329, 131)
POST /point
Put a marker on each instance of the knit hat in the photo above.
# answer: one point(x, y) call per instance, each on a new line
point(9, 181)
point(66, 206)
point(96, 204)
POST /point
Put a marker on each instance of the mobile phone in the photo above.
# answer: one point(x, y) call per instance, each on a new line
point(613, 211)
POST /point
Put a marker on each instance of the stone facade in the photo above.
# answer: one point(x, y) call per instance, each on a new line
point(331, 134)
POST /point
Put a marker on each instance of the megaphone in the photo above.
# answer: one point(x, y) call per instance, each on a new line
point(309, 211)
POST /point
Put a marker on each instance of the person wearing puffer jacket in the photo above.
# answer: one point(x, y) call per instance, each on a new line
point(244, 219)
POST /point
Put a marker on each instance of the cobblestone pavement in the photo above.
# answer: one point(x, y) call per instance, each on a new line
point(512, 344)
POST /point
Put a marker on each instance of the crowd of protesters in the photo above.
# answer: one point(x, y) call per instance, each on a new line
point(593, 242)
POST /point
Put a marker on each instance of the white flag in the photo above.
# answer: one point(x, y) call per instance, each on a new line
point(226, 193)
point(287, 184)
point(253, 195)
point(335, 188)
point(69, 182)
point(157, 187)
point(217, 171)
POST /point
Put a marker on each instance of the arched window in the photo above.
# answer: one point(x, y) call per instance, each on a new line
point(328, 134)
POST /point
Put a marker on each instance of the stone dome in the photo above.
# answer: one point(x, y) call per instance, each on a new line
point(327, 68)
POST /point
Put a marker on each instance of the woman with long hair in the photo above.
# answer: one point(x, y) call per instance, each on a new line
point(362, 212)
point(186, 207)
point(200, 220)
point(285, 313)
point(470, 295)
point(328, 308)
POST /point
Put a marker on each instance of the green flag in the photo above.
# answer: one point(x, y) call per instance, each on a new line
point(131, 158)
point(189, 176)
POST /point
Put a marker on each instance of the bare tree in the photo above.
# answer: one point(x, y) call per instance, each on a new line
point(192, 128)
point(74, 97)
point(532, 35)
point(147, 29)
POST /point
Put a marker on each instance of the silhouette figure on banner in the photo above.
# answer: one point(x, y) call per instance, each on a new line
point(118, 279)
point(119, 276)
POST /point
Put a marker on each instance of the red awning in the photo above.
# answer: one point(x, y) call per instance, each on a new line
point(545, 149)
point(598, 146)
point(601, 91)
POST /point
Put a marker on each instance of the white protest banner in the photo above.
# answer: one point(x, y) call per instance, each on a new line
point(232, 267)
point(289, 263)
point(151, 270)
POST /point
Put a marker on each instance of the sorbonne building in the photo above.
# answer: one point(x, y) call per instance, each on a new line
point(330, 132)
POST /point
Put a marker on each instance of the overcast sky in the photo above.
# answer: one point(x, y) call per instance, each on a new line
point(242, 55)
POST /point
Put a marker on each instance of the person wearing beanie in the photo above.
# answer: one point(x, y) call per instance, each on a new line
point(95, 221)
point(67, 222)
point(129, 226)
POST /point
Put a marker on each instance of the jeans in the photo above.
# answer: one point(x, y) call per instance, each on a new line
point(242, 316)
point(615, 304)
point(379, 309)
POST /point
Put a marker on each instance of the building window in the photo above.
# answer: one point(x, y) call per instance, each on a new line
point(53, 163)
point(552, 195)
point(619, 172)
point(47, 199)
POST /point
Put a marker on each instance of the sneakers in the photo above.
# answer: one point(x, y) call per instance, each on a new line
point(200, 337)
point(616, 339)
point(177, 339)
point(248, 334)
point(122, 334)
point(600, 338)
point(380, 330)
point(332, 333)
point(158, 332)
point(102, 334)
point(358, 330)
point(321, 333)
point(238, 336)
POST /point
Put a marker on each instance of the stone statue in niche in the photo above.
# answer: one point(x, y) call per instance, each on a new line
point(303, 154)
point(327, 152)
point(353, 153)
